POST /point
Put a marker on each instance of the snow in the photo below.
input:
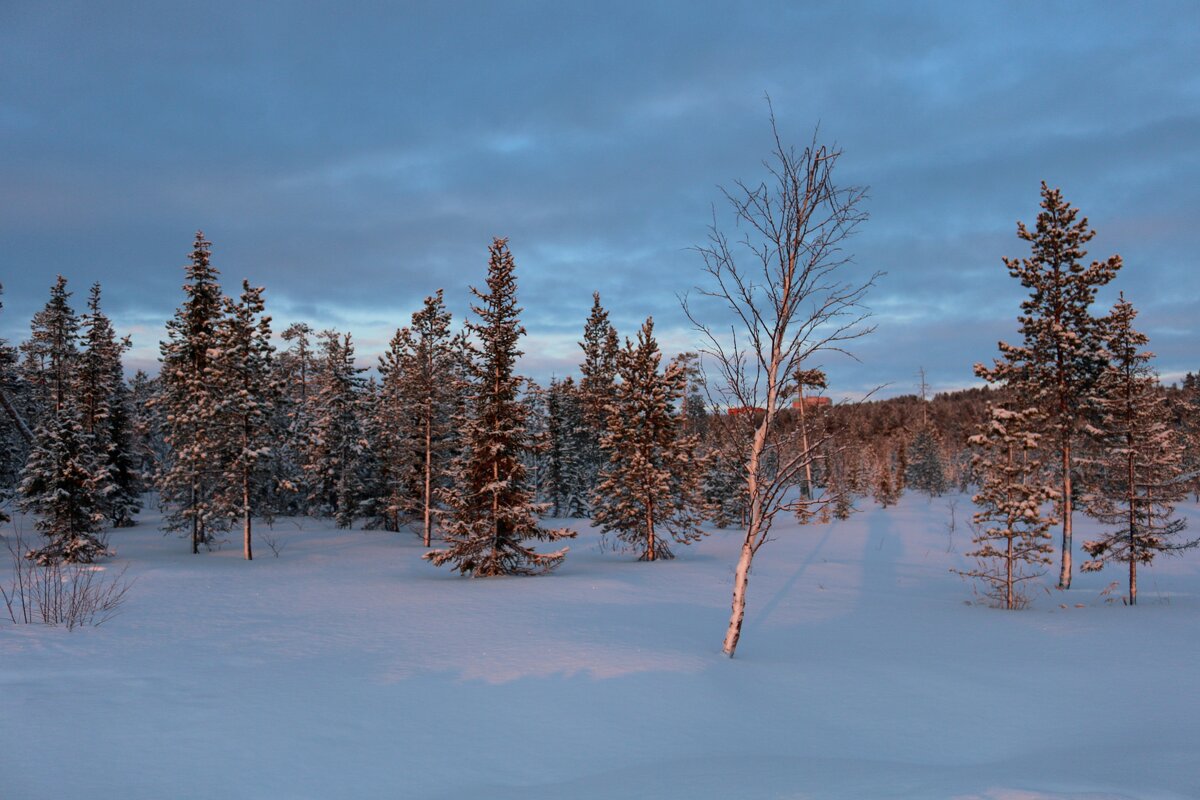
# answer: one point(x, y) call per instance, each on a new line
point(349, 667)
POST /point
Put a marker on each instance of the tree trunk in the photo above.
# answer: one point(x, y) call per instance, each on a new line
point(195, 524)
point(428, 522)
point(650, 554)
point(1008, 576)
point(804, 444)
point(247, 549)
point(1132, 525)
point(17, 419)
point(1064, 575)
point(1133, 581)
point(741, 578)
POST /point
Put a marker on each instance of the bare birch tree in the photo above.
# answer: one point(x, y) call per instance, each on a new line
point(785, 283)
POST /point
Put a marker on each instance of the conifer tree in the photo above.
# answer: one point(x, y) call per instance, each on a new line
point(430, 391)
point(292, 419)
point(392, 428)
point(372, 506)
point(569, 440)
point(1138, 469)
point(537, 455)
point(925, 471)
point(596, 390)
point(242, 373)
point(1057, 364)
point(650, 484)
point(105, 408)
point(334, 464)
point(491, 513)
point(52, 352)
point(16, 437)
point(148, 448)
point(1012, 531)
point(188, 401)
point(63, 484)
point(885, 491)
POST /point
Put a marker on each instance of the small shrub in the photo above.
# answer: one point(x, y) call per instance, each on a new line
point(60, 593)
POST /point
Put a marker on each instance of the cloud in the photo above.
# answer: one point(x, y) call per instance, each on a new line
point(353, 160)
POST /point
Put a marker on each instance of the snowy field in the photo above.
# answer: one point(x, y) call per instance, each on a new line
point(349, 668)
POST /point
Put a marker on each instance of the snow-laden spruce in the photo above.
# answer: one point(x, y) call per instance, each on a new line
point(188, 399)
point(66, 481)
point(490, 512)
point(650, 482)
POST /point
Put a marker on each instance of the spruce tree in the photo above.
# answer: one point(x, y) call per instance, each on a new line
point(188, 480)
point(292, 419)
point(650, 483)
point(64, 484)
point(569, 476)
point(148, 447)
point(1138, 469)
point(334, 463)
point(536, 456)
point(392, 432)
point(724, 488)
point(242, 374)
point(1057, 364)
point(490, 512)
point(885, 491)
point(430, 392)
point(16, 437)
point(596, 390)
point(925, 471)
point(104, 403)
point(52, 352)
point(1012, 532)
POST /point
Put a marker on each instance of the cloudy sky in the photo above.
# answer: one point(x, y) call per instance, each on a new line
point(355, 157)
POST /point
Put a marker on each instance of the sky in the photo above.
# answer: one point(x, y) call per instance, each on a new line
point(354, 158)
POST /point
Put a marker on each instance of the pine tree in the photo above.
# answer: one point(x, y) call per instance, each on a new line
point(490, 510)
point(334, 463)
point(241, 371)
point(63, 484)
point(1139, 467)
point(1060, 359)
point(1012, 531)
point(107, 416)
point(650, 484)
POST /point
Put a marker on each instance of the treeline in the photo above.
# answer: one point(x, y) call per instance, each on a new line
point(448, 441)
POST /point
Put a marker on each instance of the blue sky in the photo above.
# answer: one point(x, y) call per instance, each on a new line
point(353, 158)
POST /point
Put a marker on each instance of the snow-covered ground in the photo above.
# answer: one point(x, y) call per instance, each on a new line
point(349, 668)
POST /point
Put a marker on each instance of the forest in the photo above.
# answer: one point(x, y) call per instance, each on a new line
point(446, 441)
